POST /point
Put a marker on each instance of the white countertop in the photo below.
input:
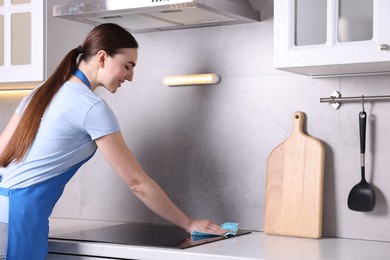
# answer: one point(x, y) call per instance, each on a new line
point(256, 245)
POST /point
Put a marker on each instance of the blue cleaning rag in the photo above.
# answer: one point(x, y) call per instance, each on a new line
point(231, 228)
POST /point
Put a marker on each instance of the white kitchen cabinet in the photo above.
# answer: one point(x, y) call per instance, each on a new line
point(21, 40)
point(323, 38)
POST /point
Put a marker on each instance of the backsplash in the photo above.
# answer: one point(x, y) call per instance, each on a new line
point(208, 146)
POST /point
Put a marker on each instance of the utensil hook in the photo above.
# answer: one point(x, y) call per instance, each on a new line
point(363, 103)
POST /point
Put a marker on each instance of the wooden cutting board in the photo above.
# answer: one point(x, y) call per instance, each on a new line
point(294, 185)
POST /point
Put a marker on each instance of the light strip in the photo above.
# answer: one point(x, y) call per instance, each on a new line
point(18, 86)
point(193, 79)
point(14, 92)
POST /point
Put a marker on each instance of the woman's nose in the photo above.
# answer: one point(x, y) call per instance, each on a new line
point(129, 76)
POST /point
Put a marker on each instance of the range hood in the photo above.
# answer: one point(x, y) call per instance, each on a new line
point(158, 15)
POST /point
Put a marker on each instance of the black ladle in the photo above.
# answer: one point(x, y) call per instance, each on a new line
point(362, 195)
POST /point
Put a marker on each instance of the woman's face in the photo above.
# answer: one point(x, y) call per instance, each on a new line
point(116, 69)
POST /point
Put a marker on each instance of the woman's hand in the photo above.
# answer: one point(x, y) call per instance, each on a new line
point(205, 226)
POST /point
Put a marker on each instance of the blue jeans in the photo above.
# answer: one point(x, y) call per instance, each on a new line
point(3, 239)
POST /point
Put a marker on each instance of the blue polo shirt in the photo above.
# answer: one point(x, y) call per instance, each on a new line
point(74, 119)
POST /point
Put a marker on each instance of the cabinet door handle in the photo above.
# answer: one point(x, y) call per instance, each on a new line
point(385, 47)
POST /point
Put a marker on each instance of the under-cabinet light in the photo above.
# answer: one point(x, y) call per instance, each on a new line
point(18, 87)
point(193, 79)
point(14, 92)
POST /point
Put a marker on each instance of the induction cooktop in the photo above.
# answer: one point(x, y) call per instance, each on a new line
point(143, 234)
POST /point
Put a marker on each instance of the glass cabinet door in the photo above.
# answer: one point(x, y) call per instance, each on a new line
point(21, 38)
point(355, 20)
point(1, 40)
point(2, 30)
point(310, 22)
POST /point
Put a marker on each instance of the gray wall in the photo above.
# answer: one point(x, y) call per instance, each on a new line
point(208, 146)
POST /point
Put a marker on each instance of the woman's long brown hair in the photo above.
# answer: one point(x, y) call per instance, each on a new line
point(108, 37)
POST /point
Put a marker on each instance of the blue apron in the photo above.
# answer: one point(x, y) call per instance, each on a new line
point(28, 218)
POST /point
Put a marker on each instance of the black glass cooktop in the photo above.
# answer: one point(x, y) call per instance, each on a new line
point(142, 234)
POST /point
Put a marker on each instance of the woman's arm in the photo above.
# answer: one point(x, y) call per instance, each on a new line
point(8, 131)
point(116, 152)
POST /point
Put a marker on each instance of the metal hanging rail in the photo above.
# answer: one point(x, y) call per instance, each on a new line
point(335, 99)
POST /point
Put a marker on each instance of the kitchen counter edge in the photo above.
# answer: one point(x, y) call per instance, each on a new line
point(256, 245)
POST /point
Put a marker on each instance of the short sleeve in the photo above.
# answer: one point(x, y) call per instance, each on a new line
point(23, 104)
point(25, 101)
point(100, 121)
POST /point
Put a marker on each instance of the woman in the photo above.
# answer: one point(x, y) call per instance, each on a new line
point(57, 128)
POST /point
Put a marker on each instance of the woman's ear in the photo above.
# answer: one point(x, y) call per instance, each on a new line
point(101, 58)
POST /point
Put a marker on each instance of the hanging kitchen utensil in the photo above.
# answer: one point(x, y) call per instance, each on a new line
point(294, 185)
point(362, 195)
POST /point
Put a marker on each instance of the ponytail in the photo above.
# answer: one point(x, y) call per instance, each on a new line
point(29, 123)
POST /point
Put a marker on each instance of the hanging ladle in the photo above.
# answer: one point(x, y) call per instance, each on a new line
point(362, 195)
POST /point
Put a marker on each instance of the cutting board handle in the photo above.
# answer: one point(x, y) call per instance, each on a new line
point(299, 117)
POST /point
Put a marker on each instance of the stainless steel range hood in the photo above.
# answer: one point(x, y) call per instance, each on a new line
point(158, 15)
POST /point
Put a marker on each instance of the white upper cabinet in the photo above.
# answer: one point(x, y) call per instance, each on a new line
point(21, 40)
point(325, 38)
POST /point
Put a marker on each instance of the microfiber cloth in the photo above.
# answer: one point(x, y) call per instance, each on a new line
point(231, 230)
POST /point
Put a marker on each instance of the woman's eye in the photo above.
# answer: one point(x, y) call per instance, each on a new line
point(129, 65)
